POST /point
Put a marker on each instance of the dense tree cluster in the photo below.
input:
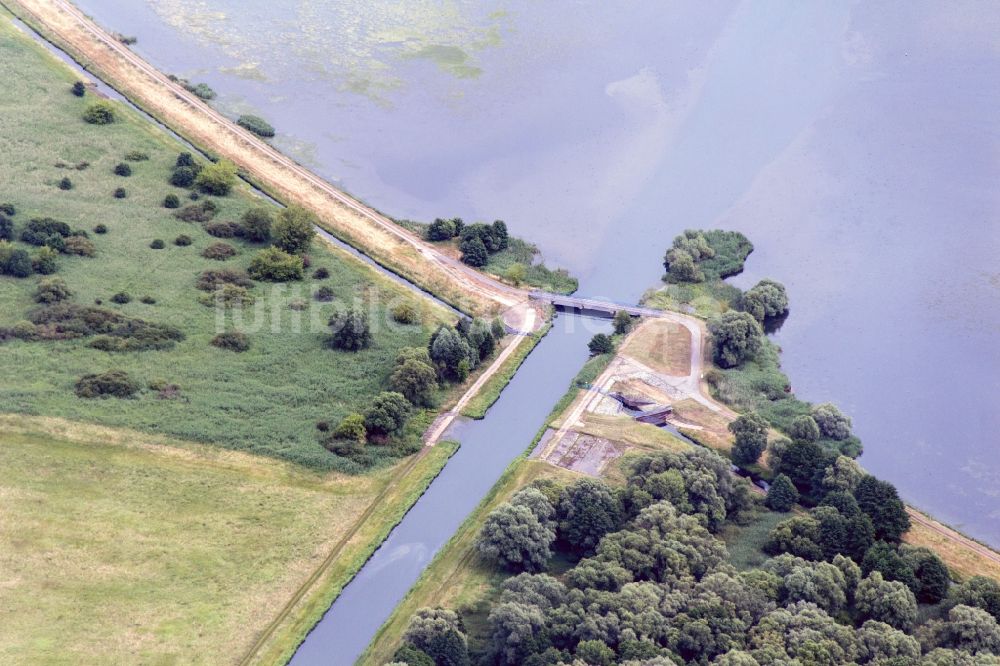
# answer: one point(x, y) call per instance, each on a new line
point(696, 256)
point(652, 585)
point(457, 350)
point(681, 260)
point(476, 241)
point(479, 241)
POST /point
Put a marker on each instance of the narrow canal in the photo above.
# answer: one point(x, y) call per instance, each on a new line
point(488, 446)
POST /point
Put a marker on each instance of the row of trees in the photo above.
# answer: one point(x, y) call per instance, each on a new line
point(452, 352)
point(651, 585)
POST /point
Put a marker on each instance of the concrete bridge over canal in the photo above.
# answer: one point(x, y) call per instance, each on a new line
point(579, 304)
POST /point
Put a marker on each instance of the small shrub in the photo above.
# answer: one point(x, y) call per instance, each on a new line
point(65, 184)
point(219, 251)
point(136, 156)
point(45, 261)
point(24, 330)
point(113, 383)
point(52, 290)
point(101, 229)
point(227, 296)
point(405, 313)
point(298, 304)
point(214, 278)
point(8, 209)
point(120, 193)
point(157, 244)
point(224, 229)
point(193, 196)
point(274, 265)
point(14, 261)
point(256, 124)
point(202, 90)
point(148, 300)
point(352, 428)
point(122, 169)
point(321, 273)
point(182, 240)
point(182, 177)
point(121, 298)
point(79, 89)
point(323, 426)
point(101, 112)
point(196, 212)
point(256, 224)
point(79, 246)
point(185, 160)
point(6, 228)
point(171, 201)
point(324, 294)
point(232, 341)
point(82, 166)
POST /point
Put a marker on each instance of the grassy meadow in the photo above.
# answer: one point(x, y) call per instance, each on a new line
point(266, 400)
point(122, 547)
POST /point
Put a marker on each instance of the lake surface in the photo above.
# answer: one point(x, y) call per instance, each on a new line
point(856, 144)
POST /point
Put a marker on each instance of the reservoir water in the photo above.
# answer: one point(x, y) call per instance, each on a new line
point(856, 144)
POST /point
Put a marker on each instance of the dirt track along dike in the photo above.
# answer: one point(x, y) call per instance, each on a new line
point(355, 223)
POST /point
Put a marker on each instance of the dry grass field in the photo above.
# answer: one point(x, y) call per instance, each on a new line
point(664, 346)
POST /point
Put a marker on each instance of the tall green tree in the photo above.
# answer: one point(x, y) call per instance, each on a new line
point(881, 502)
point(387, 413)
point(294, 230)
point(588, 510)
point(474, 251)
point(885, 601)
point(782, 495)
point(416, 380)
point(515, 538)
point(622, 322)
point(750, 433)
point(438, 632)
point(218, 178)
point(350, 330)
point(736, 337)
point(600, 344)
